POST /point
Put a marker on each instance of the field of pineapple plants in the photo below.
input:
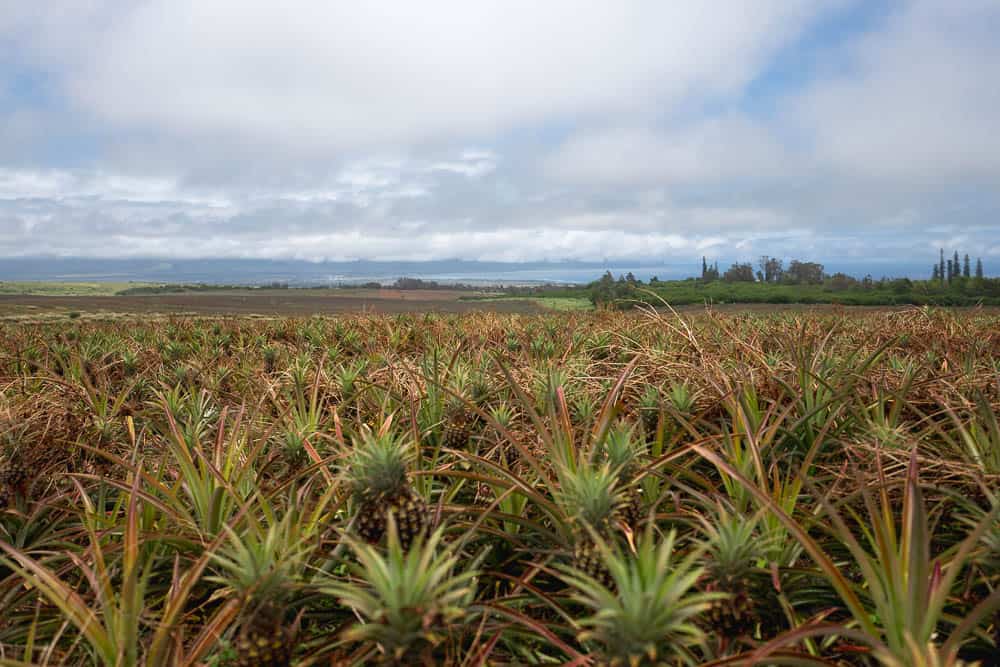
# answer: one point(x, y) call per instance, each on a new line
point(599, 488)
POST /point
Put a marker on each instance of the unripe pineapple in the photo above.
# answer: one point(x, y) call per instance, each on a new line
point(622, 453)
point(633, 509)
point(457, 427)
point(13, 478)
point(461, 421)
point(264, 640)
point(503, 414)
point(733, 549)
point(589, 495)
point(378, 475)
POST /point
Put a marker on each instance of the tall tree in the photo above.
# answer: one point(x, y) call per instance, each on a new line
point(772, 268)
point(704, 268)
point(805, 273)
point(936, 274)
point(739, 273)
point(965, 266)
point(951, 271)
point(941, 266)
point(956, 266)
point(979, 268)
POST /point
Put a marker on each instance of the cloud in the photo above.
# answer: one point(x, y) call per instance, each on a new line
point(915, 102)
point(499, 129)
point(712, 151)
point(348, 75)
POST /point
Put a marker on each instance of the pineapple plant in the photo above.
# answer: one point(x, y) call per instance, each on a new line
point(410, 600)
point(457, 429)
point(262, 566)
point(650, 407)
point(460, 420)
point(377, 472)
point(590, 498)
point(648, 614)
point(681, 403)
point(583, 411)
point(503, 414)
point(733, 549)
point(622, 453)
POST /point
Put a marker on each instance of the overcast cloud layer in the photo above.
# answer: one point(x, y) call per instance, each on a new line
point(506, 130)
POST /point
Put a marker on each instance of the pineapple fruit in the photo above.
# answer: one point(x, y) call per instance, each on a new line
point(378, 475)
point(13, 479)
point(457, 427)
point(460, 419)
point(264, 639)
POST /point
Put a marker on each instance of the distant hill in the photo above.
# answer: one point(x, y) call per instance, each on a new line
point(297, 273)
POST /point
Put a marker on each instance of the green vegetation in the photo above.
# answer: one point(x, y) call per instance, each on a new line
point(588, 488)
point(564, 299)
point(48, 288)
point(183, 288)
point(951, 284)
point(876, 293)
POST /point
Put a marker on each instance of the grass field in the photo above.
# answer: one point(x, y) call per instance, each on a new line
point(560, 303)
point(433, 488)
point(261, 302)
point(48, 288)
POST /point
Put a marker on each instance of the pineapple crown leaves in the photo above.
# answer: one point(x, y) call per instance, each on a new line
point(652, 610)
point(681, 398)
point(732, 544)
point(589, 495)
point(503, 413)
point(480, 389)
point(261, 564)
point(620, 449)
point(379, 461)
point(650, 399)
point(406, 597)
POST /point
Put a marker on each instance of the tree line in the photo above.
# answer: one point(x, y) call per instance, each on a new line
point(953, 282)
point(946, 272)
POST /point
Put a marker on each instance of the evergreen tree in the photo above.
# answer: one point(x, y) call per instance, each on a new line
point(704, 268)
point(936, 274)
point(965, 266)
point(979, 268)
point(956, 266)
point(951, 271)
point(941, 267)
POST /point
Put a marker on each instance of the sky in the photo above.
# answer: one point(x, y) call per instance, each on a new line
point(845, 131)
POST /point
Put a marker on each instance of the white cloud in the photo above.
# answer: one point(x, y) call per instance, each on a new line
point(917, 101)
point(349, 75)
point(496, 129)
point(712, 151)
point(63, 184)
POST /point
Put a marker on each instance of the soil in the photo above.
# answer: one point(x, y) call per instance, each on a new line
point(262, 302)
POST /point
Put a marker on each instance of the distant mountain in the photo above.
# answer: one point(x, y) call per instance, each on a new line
point(302, 273)
point(252, 271)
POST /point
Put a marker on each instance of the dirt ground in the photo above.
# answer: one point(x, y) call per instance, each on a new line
point(259, 302)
